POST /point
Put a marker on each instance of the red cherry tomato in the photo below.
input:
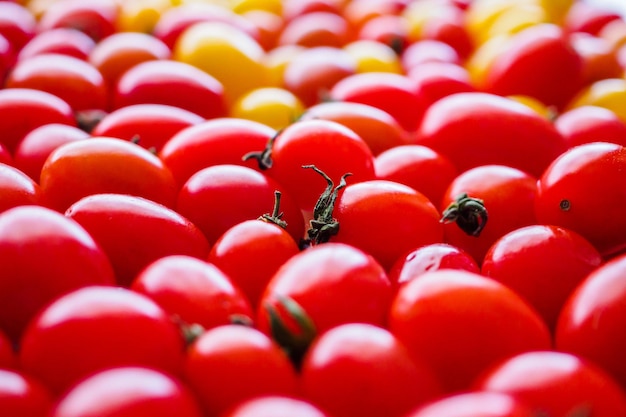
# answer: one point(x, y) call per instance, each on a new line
point(194, 291)
point(556, 384)
point(124, 328)
point(96, 18)
point(230, 364)
point(581, 191)
point(138, 392)
point(24, 109)
point(313, 29)
point(599, 56)
point(449, 27)
point(8, 356)
point(295, 8)
point(428, 50)
point(148, 125)
point(586, 124)
point(435, 80)
point(154, 81)
point(354, 358)
point(590, 322)
point(7, 58)
point(17, 24)
point(135, 232)
point(76, 81)
point(391, 30)
point(22, 395)
point(17, 189)
point(450, 318)
point(477, 128)
point(275, 406)
point(105, 165)
point(59, 41)
point(213, 142)
point(472, 404)
point(29, 233)
point(588, 17)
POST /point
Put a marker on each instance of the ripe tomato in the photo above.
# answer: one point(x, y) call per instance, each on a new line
point(434, 80)
point(124, 328)
point(478, 128)
point(589, 323)
point(390, 30)
point(230, 364)
point(194, 291)
point(8, 355)
point(354, 358)
point(319, 28)
point(581, 191)
point(153, 82)
point(273, 106)
point(267, 23)
point(587, 124)
point(137, 392)
point(148, 125)
point(213, 142)
point(96, 18)
point(105, 165)
point(135, 232)
point(65, 41)
point(472, 404)
point(588, 18)
point(75, 81)
point(556, 384)
point(373, 56)
point(428, 50)
point(543, 264)
point(275, 406)
point(17, 24)
point(461, 323)
point(34, 232)
point(22, 395)
point(7, 58)
point(24, 109)
point(220, 196)
point(600, 58)
point(17, 189)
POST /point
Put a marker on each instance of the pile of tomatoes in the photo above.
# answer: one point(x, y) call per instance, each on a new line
point(312, 208)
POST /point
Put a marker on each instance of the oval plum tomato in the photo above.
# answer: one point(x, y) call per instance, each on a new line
point(472, 404)
point(378, 129)
point(275, 406)
point(230, 364)
point(59, 41)
point(587, 124)
point(17, 189)
point(508, 196)
point(148, 125)
point(386, 219)
point(477, 128)
point(540, 49)
point(105, 165)
point(314, 29)
point(96, 18)
point(543, 264)
point(24, 109)
point(430, 257)
point(250, 253)
point(128, 391)
point(313, 72)
point(17, 24)
point(461, 323)
point(135, 232)
point(22, 395)
point(34, 148)
point(213, 142)
point(273, 106)
point(589, 323)
point(354, 358)
point(330, 146)
point(581, 190)
point(154, 81)
point(95, 328)
point(76, 81)
point(34, 232)
point(220, 196)
point(194, 291)
point(419, 167)
point(556, 384)
point(320, 288)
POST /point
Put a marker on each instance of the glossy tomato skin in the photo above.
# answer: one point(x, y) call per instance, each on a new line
point(386, 219)
point(543, 264)
point(21, 395)
point(128, 391)
point(477, 128)
point(149, 125)
point(194, 291)
point(124, 328)
point(213, 142)
point(471, 404)
point(449, 319)
point(61, 41)
point(17, 189)
point(581, 190)
point(556, 383)
point(24, 109)
point(318, 28)
point(96, 18)
point(134, 231)
point(589, 322)
point(220, 196)
point(8, 355)
point(230, 364)
point(34, 232)
point(587, 124)
point(105, 165)
point(275, 406)
point(354, 358)
point(17, 24)
point(250, 253)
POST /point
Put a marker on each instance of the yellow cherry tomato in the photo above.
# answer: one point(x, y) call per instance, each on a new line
point(277, 60)
point(480, 61)
point(609, 93)
point(273, 106)
point(140, 15)
point(225, 52)
point(272, 6)
point(373, 56)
